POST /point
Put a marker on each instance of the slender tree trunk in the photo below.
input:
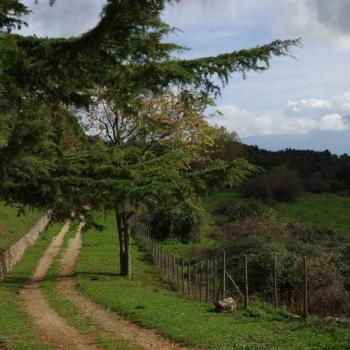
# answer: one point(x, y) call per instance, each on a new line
point(124, 233)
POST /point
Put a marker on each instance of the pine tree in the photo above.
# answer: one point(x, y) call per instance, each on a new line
point(42, 80)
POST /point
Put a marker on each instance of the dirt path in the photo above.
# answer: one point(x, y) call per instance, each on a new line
point(53, 329)
point(116, 326)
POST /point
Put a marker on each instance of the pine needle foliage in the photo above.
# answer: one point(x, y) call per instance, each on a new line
point(47, 161)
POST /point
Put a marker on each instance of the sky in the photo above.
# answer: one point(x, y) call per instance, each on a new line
point(297, 96)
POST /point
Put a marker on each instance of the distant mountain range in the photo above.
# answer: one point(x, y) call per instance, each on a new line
point(337, 142)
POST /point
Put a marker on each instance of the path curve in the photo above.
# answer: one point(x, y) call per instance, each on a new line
point(52, 328)
point(116, 326)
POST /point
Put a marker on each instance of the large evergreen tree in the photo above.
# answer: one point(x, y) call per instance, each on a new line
point(126, 54)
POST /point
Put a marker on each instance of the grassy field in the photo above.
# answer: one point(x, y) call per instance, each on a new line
point(13, 227)
point(324, 210)
point(14, 329)
point(146, 299)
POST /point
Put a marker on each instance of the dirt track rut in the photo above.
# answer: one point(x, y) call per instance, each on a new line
point(111, 322)
point(52, 328)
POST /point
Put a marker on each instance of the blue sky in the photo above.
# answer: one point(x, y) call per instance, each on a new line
point(296, 96)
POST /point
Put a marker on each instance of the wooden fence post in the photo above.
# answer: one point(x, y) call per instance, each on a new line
point(178, 273)
point(189, 279)
point(224, 275)
point(246, 296)
point(161, 258)
point(275, 294)
point(200, 281)
point(207, 281)
point(195, 281)
point(305, 306)
point(214, 281)
point(183, 277)
point(174, 264)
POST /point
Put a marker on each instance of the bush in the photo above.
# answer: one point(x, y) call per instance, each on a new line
point(180, 222)
point(316, 184)
point(263, 239)
point(240, 211)
point(281, 186)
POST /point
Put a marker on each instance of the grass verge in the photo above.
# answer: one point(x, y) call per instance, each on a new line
point(147, 300)
point(15, 331)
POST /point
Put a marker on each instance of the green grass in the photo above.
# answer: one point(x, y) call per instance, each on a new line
point(14, 324)
point(323, 210)
point(147, 300)
point(14, 227)
point(67, 310)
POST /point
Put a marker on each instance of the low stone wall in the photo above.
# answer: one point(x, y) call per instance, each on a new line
point(13, 254)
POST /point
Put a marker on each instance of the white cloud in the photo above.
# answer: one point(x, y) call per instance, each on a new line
point(333, 122)
point(65, 18)
point(300, 117)
point(313, 107)
point(315, 20)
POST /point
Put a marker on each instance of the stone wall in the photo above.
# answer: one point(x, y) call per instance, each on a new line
point(13, 254)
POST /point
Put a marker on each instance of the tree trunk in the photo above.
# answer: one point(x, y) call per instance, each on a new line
point(124, 228)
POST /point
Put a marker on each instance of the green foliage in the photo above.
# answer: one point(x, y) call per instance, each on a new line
point(127, 54)
point(179, 222)
point(10, 13)
point(262, 238)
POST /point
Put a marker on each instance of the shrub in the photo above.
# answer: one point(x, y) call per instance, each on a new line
point(240, 211)
point(316, 184)
point(263, 239)
point(180, 222)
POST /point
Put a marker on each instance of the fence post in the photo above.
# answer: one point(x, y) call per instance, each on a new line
point(275, 294)
point(224, 276)
point(195, 281)
point(305, 309)
point(189, 279)
point(183, 277)
point(174, 264)
point(214, 281)
point(162, 257)
point(158, 255)
point(207, 281)
point(246, 281)
point(155, 253)
point(178, 273)
point(200, 281)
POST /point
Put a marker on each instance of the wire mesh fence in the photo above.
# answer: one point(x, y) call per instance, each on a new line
point(209, 280)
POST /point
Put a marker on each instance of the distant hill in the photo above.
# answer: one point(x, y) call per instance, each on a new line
point(337, 142)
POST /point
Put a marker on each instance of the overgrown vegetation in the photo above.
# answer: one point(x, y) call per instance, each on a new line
point(248, 227)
